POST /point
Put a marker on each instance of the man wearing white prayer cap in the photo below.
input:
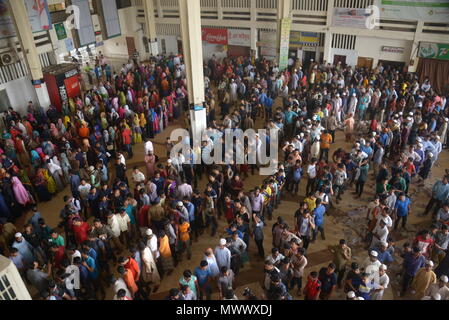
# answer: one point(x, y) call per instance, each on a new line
point(439, 288)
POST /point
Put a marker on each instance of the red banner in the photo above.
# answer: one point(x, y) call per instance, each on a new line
point(215, 36)
point(73, 87)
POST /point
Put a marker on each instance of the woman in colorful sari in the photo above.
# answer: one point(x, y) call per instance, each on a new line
point(10, 149)
point(35, 159)
point(20, 193)
point(51, 184)
point(55, 172)
point(137, 132)
point(40, 183)
point(21, 150)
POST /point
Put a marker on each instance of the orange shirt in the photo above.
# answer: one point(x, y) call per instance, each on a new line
point(184, 231)
point(83, 132)
point(133, 267)
point(164, 247)
point(326, 140)
point(130, 282)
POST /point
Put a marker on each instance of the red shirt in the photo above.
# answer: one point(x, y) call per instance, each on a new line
point(59, 256)
point(126, 135)
point(80, 232)
point(312, 288)
point(424, 245)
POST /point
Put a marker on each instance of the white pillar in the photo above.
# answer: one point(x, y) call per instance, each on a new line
point(415, 48)
point(20, 16)
point(283, 33)
point(254, 33)
point(150, 22)
point(190, 14)
point(327, 56)
point(220, 10)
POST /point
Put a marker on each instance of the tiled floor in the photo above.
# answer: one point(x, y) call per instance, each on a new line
point(252, 273)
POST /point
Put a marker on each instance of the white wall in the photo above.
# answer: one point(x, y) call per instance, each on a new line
point(351, 56)
point(19, 92)
point(171, 44)
point(372, 48)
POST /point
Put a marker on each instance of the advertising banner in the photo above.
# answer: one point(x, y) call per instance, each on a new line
point(268, 39)
point(238, 37)
point(215, 36)
point(86, 33)
point(299, 39)
point(351, 18)
point(111, 18)
point(38, 15)
point(434, 50)
point(286, 24)
point(7, 28)
point(73, 87)
point(60, 31)
point(425, 10)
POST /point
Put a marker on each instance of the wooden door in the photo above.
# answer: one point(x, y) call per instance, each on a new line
point(131, 46)
point(363, 62)
point(339, 58)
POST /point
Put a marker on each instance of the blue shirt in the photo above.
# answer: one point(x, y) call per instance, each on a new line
point(202, 275)
point(412, 265)
point(91, 263)
point(318, 214)
point(440, 191)
point(402, 207)
point(191, 210)
point(34, 220)
point(289, 116)
point(384, 257)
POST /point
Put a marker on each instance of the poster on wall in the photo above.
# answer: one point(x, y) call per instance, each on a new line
point(215, 36)
point(268, 39)
point(60, 31)
point(286, 24)
point(69, 44)
point(86, 33)
point(352, 18)
point(428, 11)
point(299, 39)
point(111, 18)
point(434, 50)
point(7, 28)
point(38, 15)
point(237, 37)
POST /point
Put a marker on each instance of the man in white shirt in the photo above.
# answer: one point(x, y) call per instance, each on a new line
point(125, 225)
point(384, 281)
point(380, 233)
point(138, 176)
point(119, 283)
point(152, 243)
point(148, 147)
point(440, 287)
point(372, 265)
point(311, 175)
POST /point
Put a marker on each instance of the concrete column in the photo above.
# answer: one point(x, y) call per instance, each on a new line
point(190, 14)
point(415, 48)
point(20, 16)
point(150, 22)
point(327, 56)
point(284, 12)
point(160, 12)
point(254, 31)
point(220, 10)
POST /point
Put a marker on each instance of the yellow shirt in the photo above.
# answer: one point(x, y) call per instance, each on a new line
point(310, 204)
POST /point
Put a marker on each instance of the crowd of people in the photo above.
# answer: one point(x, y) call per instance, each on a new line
point(130, 233)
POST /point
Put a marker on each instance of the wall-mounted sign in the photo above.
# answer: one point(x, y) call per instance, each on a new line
point(434, 50)
point(299, 39)
point(351, 18)
point(392, 49)
point(38, 15)
point(60, 31)
point(427, 11)
point(286, 24)
point(215, 36)
point(237, 37)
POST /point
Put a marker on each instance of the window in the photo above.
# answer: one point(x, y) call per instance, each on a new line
point(123, 4)
point(6, 291)
point(163, 46)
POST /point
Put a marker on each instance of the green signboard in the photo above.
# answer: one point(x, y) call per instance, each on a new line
point(434, 50)
point(60, 31)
